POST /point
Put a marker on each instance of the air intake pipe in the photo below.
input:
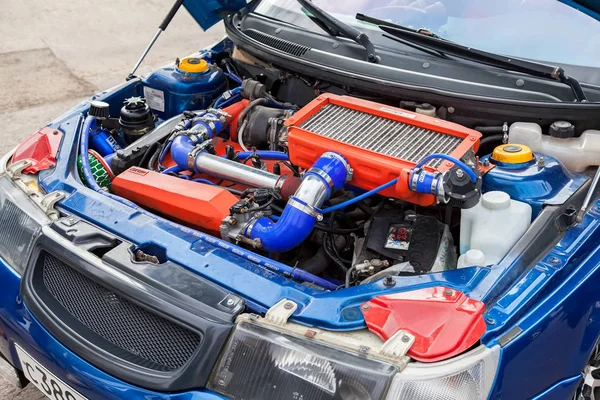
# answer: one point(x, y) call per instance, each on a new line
point(190, 157)
point(328, 173)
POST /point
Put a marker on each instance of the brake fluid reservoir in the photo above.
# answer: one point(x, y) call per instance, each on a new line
point(193, 84)
point(576, 153)
point(494, 225)
point(534, 179)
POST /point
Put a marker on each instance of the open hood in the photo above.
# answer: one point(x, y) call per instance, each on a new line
point(209, 12)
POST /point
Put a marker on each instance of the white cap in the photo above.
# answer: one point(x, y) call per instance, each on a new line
point(495, 200)
point(474, 257)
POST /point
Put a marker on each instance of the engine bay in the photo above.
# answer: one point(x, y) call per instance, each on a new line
point(336, 187)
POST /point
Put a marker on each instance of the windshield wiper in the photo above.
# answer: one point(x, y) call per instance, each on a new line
point(335, 27)
point(431, 41)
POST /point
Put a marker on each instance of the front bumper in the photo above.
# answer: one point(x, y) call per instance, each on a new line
point(18, 326)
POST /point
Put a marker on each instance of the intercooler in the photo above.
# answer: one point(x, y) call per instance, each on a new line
point(379, 141)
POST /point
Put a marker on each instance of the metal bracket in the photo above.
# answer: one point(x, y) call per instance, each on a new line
point(49, 201)
point(398, 345)
point(281, 312)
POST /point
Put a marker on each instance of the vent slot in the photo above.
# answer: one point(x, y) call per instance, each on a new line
point(286, 46)
point(379, 134)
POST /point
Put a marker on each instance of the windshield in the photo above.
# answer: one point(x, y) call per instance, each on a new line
point(544, 30)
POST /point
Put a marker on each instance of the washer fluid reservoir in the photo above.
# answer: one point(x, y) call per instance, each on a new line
point(576, 153)
point(535, 179)
point(494, 225)
point(192, 84)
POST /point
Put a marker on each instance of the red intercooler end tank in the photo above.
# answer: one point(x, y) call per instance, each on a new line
point(379, 141)
point(193, 204)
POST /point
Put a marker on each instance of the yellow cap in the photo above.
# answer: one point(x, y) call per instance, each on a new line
point(512, 154)
point(193, 65)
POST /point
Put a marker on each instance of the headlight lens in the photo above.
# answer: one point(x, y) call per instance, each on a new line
point(468, 377)
point(260, 363)
point(20, 224)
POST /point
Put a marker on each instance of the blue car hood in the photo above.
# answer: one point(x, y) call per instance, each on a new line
point(209, 12)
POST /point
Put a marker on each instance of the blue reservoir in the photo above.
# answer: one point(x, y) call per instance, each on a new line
point(541, 181)
point(192, 85)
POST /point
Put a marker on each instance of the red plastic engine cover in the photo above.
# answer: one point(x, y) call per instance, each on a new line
point(379, 141)
point(445, 322)
point(193, 204)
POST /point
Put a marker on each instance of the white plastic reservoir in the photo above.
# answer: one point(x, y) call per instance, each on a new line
point(472, 258)
point(494, 225)
point(576, 153)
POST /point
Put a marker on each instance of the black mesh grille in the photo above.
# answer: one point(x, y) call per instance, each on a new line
point(163, 344)
point(286, 46)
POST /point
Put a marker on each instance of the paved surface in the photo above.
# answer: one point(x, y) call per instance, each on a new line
point(55, 53)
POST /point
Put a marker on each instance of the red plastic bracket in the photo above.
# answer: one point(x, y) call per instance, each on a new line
point(445, 322)
point(40, 147)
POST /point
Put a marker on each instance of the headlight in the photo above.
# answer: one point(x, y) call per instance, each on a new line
point(264, 361)
point(20, 223)
point(467, 377)
point(260, 363)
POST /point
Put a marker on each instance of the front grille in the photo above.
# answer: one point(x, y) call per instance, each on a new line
point(147, 339)
point(286, 46)
point(380, 134)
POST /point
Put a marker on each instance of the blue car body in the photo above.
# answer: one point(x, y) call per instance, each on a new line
point(543, 313)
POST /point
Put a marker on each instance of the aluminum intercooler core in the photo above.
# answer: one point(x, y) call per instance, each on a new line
point(379, 141)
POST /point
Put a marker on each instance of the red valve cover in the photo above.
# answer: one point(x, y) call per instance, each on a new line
point(445, 322)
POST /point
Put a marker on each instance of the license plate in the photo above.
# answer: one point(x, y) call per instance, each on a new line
point(49, 384)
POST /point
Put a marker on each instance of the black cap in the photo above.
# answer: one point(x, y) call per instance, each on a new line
point(99, 109)
point(562, 129)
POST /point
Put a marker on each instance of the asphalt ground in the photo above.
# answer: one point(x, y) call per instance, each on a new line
point(53, 54)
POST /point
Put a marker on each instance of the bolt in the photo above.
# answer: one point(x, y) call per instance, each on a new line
point(230, 302)
point(366, 307)
point(364, 349)
point(405, 339)
point(554, 260)
point(289, 305)
point(520, 82)
point(451, 110)
point(426, 65)
point(389, 281)
point(319, 217)
point(541, 162)
point(490, 321)
point(597, 209)
point(448, 292)
point(486, 163)
point(460, 173)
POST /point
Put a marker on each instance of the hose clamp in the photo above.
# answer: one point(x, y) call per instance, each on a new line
point(191, 160)
point(324, 175)
point(305, 208)
point(280, 182)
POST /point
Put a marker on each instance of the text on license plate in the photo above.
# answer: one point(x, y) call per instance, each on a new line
point(49, 384)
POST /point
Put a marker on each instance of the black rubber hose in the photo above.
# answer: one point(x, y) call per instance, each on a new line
point(491, 139)
point(490, 129)
point(317, 264)
point(339, 231)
